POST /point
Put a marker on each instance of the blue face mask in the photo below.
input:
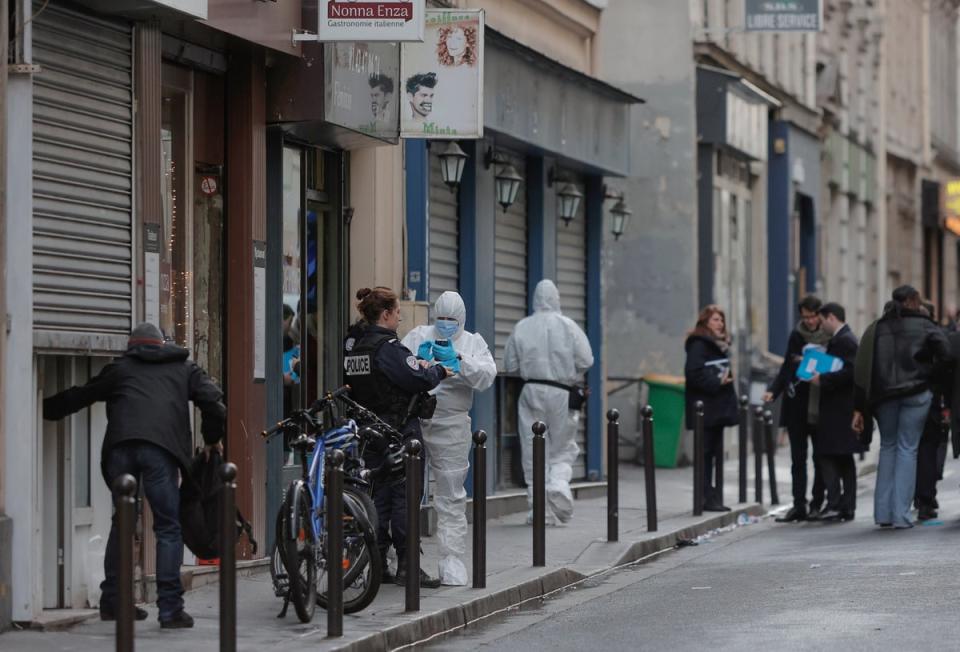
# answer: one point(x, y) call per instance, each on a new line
point(446, 328)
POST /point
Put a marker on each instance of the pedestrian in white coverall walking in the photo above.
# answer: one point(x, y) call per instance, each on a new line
point(547, 347)
point(447, 436)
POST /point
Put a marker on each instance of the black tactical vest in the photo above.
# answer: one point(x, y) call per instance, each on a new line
point(369, 385)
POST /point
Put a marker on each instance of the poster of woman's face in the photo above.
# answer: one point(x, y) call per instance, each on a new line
point(442, 78)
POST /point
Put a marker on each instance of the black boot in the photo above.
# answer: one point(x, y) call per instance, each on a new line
point(426, 581)
point(795, 515)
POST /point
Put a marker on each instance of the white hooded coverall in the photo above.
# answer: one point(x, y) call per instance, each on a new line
point(448, 435)
point(548, 346)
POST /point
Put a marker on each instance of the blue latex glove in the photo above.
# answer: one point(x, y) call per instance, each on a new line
point(453, 365)
point(444, 353)
point(425, 351)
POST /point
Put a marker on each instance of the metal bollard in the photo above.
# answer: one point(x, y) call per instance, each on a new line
point(228, 560)
point(698, 461)
point(742, 444)
point(539, 495)
point(124, 488)
point(411, 458)
point(480, 510)
point(758, 453)
point(613, 475)
point(334, 525)
point(649, 468)
point(769, 444)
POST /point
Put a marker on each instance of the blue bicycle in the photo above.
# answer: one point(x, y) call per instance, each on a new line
point(298, 565)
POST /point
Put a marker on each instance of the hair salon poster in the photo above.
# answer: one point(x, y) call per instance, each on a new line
point(442, 78)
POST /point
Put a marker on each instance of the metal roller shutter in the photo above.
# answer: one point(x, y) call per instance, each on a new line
point(444, 234)
point(82, 173)
point(572, 283)
point(510, 277)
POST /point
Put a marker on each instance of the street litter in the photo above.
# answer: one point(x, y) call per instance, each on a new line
point(815, 565)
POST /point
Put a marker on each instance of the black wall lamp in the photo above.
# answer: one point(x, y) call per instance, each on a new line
point(507, 180)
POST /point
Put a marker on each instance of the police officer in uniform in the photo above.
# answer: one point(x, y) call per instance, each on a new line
point(385, 378)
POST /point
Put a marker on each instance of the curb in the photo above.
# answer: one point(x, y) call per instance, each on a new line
point(429, 625)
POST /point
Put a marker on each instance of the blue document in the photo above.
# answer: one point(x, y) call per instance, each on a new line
point(815, 361)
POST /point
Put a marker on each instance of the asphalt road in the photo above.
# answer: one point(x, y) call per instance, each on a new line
point(812, 586)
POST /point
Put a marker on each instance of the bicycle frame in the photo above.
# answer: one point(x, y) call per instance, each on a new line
point(315, 473)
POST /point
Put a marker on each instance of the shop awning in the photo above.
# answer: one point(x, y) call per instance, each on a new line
point(537, 103)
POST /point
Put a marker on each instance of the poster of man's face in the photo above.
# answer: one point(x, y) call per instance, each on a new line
point(420, 91)
point(381, 94)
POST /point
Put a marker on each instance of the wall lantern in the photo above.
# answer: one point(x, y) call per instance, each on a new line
point(452, 162)
point(620, 213)
point(569, 196)
point(506, 182)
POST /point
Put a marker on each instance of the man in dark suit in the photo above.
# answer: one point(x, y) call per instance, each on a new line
point(836, 442)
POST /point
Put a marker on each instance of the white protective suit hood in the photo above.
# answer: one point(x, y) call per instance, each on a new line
point(450, 304)
point(546, 297)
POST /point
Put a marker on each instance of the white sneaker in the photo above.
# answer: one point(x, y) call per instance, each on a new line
point(549, 518)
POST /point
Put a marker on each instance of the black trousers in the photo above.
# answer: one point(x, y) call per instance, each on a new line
point(391, 502)
point(712, 453)
point(840, 477)
point(800, 438)
point(930, 459)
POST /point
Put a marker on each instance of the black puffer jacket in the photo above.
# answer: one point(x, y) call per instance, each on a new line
point(703, 384)
point(906, 348)
point(148, 392)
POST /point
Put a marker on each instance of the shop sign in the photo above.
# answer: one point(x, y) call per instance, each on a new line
point(442, 77)
point(951, 205)
point(195, 8)
point(361, 87)
point(371, 20)
point(783, 15)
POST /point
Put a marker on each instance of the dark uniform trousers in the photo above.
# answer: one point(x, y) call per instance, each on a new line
point(931, 455)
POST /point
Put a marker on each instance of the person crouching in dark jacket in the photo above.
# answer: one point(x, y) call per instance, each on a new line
point(893, 373)
point(836, 442)
point(148, 392)
point(709, 379)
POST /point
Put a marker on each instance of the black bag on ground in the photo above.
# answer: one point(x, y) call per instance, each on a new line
point(201, 497)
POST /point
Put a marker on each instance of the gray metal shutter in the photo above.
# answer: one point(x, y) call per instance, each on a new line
point(572, 283)
point(82, 173)
point(444, 234)
point(510, 276)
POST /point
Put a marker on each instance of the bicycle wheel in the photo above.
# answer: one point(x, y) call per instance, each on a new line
point(363, 568)
point(300, 548)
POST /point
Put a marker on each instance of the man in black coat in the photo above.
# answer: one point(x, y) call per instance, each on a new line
point(795, 413)
point(148, 392)
point(836, 441)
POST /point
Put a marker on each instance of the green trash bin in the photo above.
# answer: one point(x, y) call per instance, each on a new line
point(666, 397)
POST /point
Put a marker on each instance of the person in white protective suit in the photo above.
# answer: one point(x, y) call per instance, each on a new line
point(448, 436)
point(547, 347)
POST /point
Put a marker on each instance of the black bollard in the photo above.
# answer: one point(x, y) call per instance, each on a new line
point(480, 510)
point(758, 453)
point(742, 444)
point(228, 560)
point(539, 495)
point(124, 489)
point(411, 458)
point(649, 470)
point(334, 525)
point(698, 461)
point(613, 475)
point(769, 444)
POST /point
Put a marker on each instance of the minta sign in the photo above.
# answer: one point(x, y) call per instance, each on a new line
point(370, 20)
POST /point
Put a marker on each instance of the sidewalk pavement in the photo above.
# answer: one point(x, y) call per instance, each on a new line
point(575, 551)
